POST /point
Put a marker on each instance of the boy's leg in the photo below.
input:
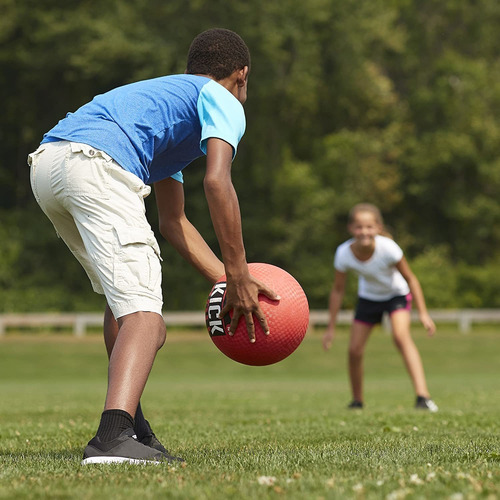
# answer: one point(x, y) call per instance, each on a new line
point(110, 330)
point(400, 322)
point(110, 334)
point(360, 333)
point(142, 428)
point(140, 336)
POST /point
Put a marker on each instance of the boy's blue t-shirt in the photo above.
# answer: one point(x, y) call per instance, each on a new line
point(154, 128)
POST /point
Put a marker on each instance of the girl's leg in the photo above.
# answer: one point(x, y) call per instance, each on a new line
point(359, 335)
point(400, 322)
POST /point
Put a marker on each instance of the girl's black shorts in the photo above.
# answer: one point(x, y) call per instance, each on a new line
point(371, 311)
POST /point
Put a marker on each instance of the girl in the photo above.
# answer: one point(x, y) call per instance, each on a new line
point(386, 284)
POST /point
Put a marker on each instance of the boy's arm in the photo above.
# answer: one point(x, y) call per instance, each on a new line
point(242, 289)
point(336, 297)
point(416, 290)
point(181, 234)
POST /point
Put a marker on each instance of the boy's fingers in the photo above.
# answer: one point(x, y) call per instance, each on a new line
point(263, 321)
point(234, 323)
point(270, 294)
point(225, 310)
point(250, 327)
point(249, 320)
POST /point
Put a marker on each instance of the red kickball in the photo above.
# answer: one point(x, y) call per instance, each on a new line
point(287, 319)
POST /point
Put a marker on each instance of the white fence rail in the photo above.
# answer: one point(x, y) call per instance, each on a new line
point(79, 322)
point(463, 318)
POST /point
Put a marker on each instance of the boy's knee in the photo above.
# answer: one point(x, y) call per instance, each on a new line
point(162, 337)
point(160, 331)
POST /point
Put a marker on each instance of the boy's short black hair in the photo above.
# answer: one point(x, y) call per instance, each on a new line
point(217, 52)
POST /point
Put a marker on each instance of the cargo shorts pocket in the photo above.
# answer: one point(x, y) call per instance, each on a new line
point(86, 172)
point(137, 263)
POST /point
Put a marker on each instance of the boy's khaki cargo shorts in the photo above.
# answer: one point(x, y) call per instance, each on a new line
point(97, 208)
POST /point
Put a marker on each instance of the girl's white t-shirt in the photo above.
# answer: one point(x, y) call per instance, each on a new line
point(379, 278)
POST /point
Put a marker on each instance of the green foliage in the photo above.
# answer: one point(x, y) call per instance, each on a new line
point(394, 103)
point(478, 286)
point(438, 278)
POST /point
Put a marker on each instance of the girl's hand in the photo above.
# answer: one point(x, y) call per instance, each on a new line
point(428, 324)
point(328, 337)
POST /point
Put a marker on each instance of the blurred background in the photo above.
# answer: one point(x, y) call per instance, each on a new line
point(396, 103)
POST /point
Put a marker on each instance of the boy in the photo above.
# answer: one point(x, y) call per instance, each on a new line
point(90, 177)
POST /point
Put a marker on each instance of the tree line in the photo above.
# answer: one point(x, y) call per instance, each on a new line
point(396, 103)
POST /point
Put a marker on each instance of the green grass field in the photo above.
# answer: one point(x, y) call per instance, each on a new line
point(285, 426)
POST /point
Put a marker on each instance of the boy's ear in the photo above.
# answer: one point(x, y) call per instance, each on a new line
point(242, 76)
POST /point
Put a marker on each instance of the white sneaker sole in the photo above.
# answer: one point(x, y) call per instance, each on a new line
point(118, 460)
point(433, 408)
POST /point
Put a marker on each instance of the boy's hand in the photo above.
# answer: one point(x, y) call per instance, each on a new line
point(242, 297)
point(328, 338)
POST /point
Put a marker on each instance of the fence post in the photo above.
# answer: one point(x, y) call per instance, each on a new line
point(80, 326)
point(464, 321)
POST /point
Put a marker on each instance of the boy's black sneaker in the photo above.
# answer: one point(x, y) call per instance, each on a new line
point(153, 442)
point(124, 449)
point(355, 405)
point(426, 404)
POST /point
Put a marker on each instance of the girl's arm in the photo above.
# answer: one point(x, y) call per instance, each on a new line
point(336, 297)
point(416, 290)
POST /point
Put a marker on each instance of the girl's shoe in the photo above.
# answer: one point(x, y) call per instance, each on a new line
point(355, 405)
point(426, 404)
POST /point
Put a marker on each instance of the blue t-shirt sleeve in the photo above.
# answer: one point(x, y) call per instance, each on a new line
point(221, 116)
point(178, 177)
